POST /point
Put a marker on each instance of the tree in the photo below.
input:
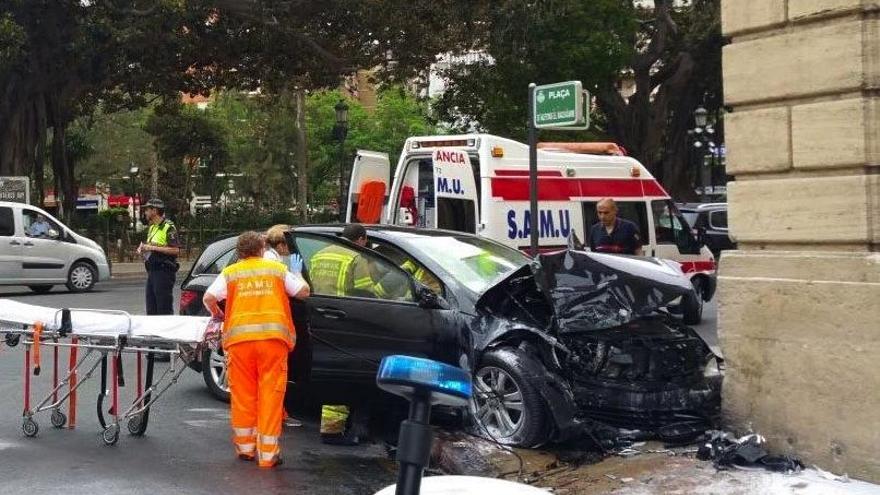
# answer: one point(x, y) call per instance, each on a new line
point(556, 41)
point(61, 57)
point(671, 54)
point(397, 117)
point(676, 68)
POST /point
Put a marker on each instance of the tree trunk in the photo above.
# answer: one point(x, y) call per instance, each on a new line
point(302, 157)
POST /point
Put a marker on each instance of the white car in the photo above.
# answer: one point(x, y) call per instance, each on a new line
point(40, 254)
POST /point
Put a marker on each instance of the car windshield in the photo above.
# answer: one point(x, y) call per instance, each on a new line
point(474, 262)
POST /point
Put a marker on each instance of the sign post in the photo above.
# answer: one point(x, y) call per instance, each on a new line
point(15, 189)
point(560, 106)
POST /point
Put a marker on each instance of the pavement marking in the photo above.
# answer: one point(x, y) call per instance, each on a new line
point(8, 445)
point(205, 423)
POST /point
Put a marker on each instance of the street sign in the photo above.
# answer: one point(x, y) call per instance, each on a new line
point(560, 106)
point(15, 189)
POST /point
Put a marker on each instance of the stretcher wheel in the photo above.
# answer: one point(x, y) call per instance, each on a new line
point(136, 425)
point(29, 427)
point(110, 435)
point(58, 419)
point(12, 339)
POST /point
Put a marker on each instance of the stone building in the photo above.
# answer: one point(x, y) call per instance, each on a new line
point(799, 310)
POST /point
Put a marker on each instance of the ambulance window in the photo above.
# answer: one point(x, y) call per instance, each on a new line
point(634, 211)
point(671, 228)
point(456, 214)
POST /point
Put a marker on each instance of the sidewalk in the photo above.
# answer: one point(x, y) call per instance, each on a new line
point(134, 271)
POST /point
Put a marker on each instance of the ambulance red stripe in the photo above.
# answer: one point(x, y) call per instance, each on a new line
point(697, 266)
point(517, 189)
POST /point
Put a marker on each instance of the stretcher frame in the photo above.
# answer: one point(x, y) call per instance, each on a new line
point(60, 334)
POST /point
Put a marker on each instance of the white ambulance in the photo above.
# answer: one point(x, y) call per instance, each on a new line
point(479, 183)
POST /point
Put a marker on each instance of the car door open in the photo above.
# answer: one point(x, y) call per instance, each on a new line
point(366, 309)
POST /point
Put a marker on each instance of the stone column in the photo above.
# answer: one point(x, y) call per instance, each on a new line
point(799, 302)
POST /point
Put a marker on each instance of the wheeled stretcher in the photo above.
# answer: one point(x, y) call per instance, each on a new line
point(103, 336)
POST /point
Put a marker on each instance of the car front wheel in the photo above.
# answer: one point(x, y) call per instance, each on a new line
point(506, 406)
point(81, 277)
point(214, 372)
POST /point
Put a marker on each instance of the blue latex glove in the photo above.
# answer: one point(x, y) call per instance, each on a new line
point(295, 263)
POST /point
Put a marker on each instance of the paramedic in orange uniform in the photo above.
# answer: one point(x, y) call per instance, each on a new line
point(257, 335)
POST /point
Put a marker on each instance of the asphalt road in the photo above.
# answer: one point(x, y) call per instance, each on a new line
point(187, 447)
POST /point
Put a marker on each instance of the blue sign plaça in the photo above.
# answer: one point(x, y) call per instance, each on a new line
point(449, 186)
point(552, 223)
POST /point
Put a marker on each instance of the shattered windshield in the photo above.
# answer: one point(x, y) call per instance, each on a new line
point(474, 262)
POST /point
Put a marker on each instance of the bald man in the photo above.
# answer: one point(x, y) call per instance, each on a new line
point(612, 234)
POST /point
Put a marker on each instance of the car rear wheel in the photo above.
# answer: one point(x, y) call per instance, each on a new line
point(692, 304)
point(214, 372)
point(506, 406)
point(40, 289)
point(81, 277)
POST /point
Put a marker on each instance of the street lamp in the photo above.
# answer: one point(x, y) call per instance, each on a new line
point(340, 131)
point(702, 137)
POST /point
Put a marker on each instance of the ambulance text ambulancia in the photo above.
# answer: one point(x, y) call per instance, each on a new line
point(480, 184)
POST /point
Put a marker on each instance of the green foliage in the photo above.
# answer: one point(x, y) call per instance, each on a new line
point(541, 43)
point(117, 141)
point(396, 117)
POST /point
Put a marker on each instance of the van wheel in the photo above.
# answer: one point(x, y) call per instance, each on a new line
point(692, 304)
point(40, 289)
point(81, 277)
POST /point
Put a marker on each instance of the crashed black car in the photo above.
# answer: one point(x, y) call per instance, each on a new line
point(559, 347)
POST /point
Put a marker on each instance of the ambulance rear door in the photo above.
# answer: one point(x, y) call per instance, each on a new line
point(368, 187)
point(455, 191)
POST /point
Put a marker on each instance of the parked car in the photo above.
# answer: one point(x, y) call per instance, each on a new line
point(570, 343)
point(709, 224)
point(41, 254)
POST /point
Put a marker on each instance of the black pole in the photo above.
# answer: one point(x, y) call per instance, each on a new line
point(533, 173)
point(342, 199)
point(414, 445)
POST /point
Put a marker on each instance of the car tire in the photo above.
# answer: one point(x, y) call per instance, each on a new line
point(40, 289)
point(500, 379)
point(214, 373)
point(81, 277)
point(692, 304)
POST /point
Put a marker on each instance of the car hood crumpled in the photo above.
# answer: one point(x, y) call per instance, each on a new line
point(592, 291)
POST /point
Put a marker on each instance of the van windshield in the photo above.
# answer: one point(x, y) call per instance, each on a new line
point(474, 262)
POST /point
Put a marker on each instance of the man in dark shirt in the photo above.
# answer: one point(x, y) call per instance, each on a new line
point(612, 234)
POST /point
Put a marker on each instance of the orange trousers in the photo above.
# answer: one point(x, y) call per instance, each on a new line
point(257, 381)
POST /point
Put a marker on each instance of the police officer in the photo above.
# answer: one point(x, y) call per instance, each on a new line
point(612, 234)
point(160, 253)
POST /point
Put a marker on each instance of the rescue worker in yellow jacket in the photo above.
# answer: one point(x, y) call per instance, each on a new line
point(339, 271)
point(258, 333)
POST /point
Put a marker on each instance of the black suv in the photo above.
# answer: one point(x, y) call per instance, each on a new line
point(709, 224)
point(558, 347)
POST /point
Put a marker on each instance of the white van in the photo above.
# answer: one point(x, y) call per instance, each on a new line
point(479, 183)
point(42, 254)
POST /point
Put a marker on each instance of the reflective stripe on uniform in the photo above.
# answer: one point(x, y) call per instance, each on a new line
point(268, 440)
point(243, 432)
point(239, 330)
point(234, 275)
point(246, 448)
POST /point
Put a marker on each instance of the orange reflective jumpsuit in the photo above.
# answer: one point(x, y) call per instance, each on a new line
point(258, 333)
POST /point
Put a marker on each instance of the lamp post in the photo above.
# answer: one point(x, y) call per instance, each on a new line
point(132, 174)
point(702, 136)
point(340, 131)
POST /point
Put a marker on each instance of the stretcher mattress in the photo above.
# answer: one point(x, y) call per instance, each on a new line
point(166, 328)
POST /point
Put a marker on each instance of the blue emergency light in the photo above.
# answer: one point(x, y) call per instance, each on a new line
point(405, 375)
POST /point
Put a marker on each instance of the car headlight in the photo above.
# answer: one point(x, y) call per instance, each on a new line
point(713, 368)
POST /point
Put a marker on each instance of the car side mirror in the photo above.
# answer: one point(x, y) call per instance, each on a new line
point(428, 299)
point(53, 234)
